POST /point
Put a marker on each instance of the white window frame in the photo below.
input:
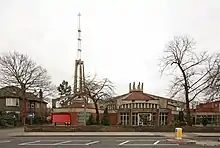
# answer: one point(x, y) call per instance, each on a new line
point(124, 118)
point(12, 102)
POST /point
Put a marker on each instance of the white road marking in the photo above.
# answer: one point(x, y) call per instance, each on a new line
point(93, 142)
point(5, 141)
point(51, 140)
point(28, 143)
point(140, 140)
point(76, 144)
point(60, 143)
point(79, 144)
point(63, 140)
point(152, 144)
point(156, 142)
point(136, 137)
point(124, 142)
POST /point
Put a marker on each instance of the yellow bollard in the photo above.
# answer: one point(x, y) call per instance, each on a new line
point(178, 133)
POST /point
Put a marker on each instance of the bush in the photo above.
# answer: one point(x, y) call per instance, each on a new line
point(105, 120)
point(37, 120)
point(8, 119)
point(181, 116)
point(90, 120)
point(204, 121)
point(3, 122)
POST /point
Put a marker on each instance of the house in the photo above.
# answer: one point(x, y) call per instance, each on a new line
point(11, 101)
point(211, 110)
point(133, 108)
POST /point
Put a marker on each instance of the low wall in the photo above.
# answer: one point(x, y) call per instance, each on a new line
point(97, 128)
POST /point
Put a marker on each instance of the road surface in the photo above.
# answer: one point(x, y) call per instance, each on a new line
point(91, 142)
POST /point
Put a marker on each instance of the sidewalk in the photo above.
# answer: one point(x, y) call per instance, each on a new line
point(111, 134)
point(9, 131)
point(207, 134)
point(192, 135)
point(85, 134)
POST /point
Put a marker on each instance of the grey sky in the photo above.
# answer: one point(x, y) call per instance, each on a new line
point(122, 39)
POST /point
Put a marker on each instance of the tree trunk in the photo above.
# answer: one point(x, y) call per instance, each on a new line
point(97, 112)
point(188, 117)
point(24, 111)
point(24, 99)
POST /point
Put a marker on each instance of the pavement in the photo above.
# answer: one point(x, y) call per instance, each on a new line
point(11, 131)
point(93, 142)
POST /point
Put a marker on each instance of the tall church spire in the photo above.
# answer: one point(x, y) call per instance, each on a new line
point(79, 50)
point(79, 76)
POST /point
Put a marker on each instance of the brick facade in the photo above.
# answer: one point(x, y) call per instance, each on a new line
point(210, 110)
point(133, 108)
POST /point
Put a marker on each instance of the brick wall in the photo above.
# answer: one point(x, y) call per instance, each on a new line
point(208, 107)
point(113, 118)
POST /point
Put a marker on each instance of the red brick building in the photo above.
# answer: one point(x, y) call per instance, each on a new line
point(211, 110)
point(11, 101)
point(133, 108)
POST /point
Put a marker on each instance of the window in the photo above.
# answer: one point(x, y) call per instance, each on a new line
point(37, 105)
point(81, 117)
point(12, 102)
point(32, 105)
point(163, 118)
point(124, 118)
point(134, 118)
point(152, 105)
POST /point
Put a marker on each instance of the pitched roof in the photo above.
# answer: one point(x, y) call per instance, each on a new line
point(135, 95)
point(10, 91)
point(138, 95)
point(13, 91)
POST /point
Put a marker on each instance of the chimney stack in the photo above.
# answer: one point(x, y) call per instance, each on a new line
point(40, 94)
point(139, 86)
point(134, 86)
point(142, 86)
point(53, 103)
point(129, 87)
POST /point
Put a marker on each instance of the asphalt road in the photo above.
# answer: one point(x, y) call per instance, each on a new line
point(90, 142)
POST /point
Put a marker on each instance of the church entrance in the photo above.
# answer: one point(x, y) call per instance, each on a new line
point(145, 119)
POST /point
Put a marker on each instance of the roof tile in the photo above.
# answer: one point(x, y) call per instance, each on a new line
point(138, 95)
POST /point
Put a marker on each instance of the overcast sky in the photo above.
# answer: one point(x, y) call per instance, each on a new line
point(122, 40)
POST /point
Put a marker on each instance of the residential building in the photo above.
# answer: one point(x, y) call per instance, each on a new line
point(11, 101)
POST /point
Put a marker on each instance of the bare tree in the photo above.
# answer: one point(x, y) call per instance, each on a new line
point(98, 90)
point(49, 92)
point(21, 71)
point(214, 78)
point(190, 70)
